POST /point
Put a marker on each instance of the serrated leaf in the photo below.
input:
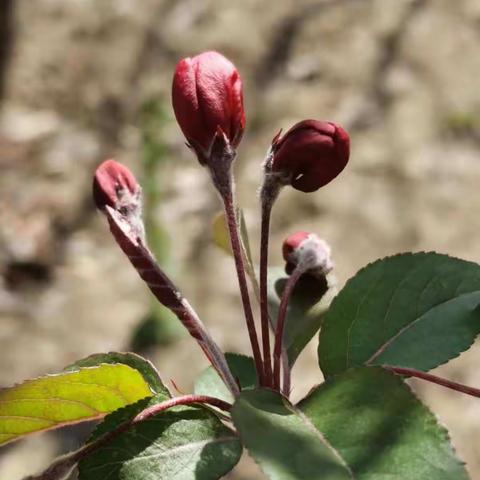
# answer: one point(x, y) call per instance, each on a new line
point(410, 310)
point(57, 400)
point(381, 430)
point(144, 366)
point(243, 370)
point(283, 441)
point(307, 307)
point(182, 443)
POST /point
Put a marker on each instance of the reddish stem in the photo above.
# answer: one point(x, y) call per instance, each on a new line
point(232, 223)
point(265, 228)
point(410, 372)
point(168, 295)
point(282, 314)
point(63, 465)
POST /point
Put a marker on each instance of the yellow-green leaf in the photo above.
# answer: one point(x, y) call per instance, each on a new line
point(57, 400)
point(220, 233)
point(221, 237)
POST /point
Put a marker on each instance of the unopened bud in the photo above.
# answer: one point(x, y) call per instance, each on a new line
point(115, 188)
point(113, 185)
point(207, 96)
point(310, 155)
point(308, 251)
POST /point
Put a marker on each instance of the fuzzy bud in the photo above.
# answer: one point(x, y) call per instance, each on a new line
point(207, 96)
point(113, 185)
point(308, 251)
point(116, 192)
point(310, 155)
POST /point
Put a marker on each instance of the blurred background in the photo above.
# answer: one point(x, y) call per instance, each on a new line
point(85, 80)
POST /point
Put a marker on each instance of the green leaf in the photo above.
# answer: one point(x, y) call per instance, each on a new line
point(243, 369)
point(306, 310)
point(182, 443)
point(381, 430)
point(57, 400)
point(283, 441)
point(144, 366)
point(410, 310)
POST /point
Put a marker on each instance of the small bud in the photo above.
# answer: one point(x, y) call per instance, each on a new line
point(207, 96)
point(117, 194)
point(112, 183)
point(310, 154)
point(309, 251)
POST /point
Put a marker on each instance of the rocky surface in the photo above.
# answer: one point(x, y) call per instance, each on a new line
point(401, 75)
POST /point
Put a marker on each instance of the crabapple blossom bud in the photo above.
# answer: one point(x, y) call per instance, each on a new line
point(207, 98)
point(117, 194)
point(113, 182)
point(310, 155)
point(308, 251)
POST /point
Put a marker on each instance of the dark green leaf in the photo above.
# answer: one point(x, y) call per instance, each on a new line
point(381, 430)
point(243, 369)
point(183, 443)
point(123, 415)
point(283, 441)
point(411, 310)
point(308, 304)
point(144, 366)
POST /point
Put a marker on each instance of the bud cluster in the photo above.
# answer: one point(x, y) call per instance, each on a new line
point(207, 99)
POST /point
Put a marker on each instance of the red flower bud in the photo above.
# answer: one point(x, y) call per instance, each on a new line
point(207, 95)
point(291, 243)
point(311, 154)
point(308, 250)
point(110, 184)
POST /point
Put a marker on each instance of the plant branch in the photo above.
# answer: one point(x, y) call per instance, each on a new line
point(228, 203)
point(410, 372)
point(282, 314)
point(264, 237)
point(272, 184)
point(63, 466)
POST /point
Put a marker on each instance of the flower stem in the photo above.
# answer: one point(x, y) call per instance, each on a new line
point(168, 295)
point(282, 314)
point(232, 223)
point(265, 229)
point(474, 392)
point(61, 467)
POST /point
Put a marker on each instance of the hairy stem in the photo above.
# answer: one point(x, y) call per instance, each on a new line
point(232, 223)
point(282, 314)
point(264, 237)
point(61, 467)
point(410, 372)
